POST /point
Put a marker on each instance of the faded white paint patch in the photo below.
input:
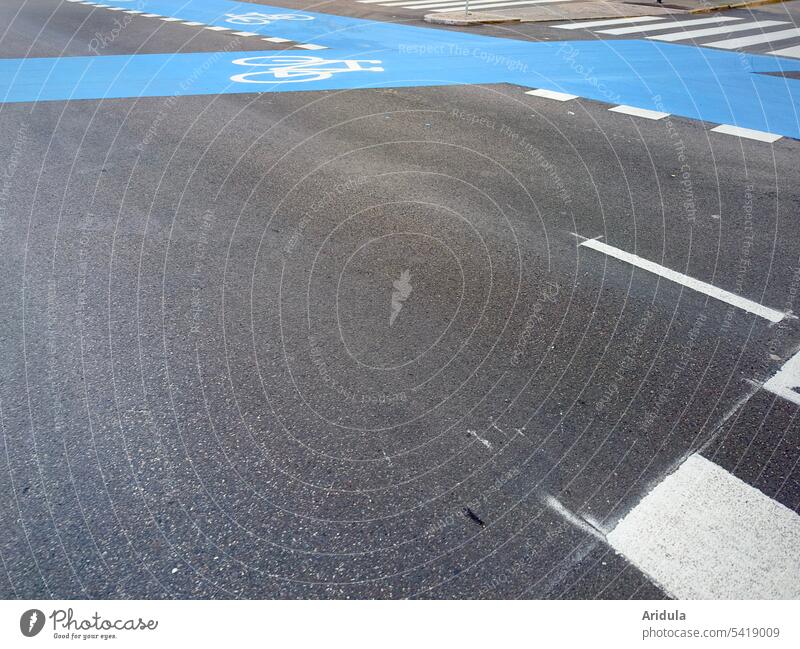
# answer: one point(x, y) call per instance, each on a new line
point(704, 534)
point(786, 381)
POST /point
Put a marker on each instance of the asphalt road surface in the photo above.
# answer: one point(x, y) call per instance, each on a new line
point(316, 334)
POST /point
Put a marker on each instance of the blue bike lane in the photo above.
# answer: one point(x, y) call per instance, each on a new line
point(711, 85)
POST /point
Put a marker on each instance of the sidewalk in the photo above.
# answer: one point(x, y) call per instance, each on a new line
point(587, 9)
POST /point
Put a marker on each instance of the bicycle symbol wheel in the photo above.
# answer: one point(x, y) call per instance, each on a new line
point(295, 69)
point(257, 18)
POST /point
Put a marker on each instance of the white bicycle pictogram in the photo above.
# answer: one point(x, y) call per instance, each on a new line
point(297, 69)
point(257, 18)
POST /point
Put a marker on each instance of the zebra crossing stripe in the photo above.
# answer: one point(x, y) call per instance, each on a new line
point(744, 41)
point(649, 28)
point(704, 534)
point(713, 31)
point(788, 51)
point(614, 21)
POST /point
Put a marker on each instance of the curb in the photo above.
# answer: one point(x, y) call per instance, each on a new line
point(736, 5)
point(469, 19)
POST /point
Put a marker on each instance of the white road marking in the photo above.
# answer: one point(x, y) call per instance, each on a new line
point(787, 380)
point(704, 534)
point(169, 19)
point(551, 94)
point(713, 31)
point(573, 519)
point(744, 41)
point(245, 34)
point(275, 39)
point(749, 133)
point(485, 442)
point(218, 29)
point(614, 21)
point(684, 280)
point(639, 112)
point(672, 25)
point(151, 15)
point(312, 46)
point(788, 51)
point(193, 24)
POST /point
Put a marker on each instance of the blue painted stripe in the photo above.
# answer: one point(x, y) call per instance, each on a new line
point(712, 85)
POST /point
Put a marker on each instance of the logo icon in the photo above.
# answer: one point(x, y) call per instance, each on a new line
point(294, 69)
point(31, 622)
point(402, 291)
point(257, 18)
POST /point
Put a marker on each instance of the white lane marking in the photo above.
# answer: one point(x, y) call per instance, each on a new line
point(639, 112)
point(704, 534)
point(785, 382)
point(684, 280)
point(496, 5)
point(169, 19)
point(218, 29)
point(275, 39)
point(788, 51)
point(245, 34)
point(151, 15)
point(614, 21)
point(193, 24)
point(677, 25)
point(312, 46)
point(744, 41)
point(713, 31)
point(749, 133)
point(551, 94)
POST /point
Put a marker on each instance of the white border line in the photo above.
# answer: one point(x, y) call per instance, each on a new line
point(679, 278)
point(749, 133)
point(551, 94)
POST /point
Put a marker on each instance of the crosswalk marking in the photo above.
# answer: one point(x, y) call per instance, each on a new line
point(618, 31)
point(749, 133)
point(788, 51)
point(713, 31)
point(704, 534)
point(613, 21)
point(744, 41)
point(685, 280)
point(675, 30)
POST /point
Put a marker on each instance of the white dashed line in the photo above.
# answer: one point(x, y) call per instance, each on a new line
point(275, 39)
point(246, 34)
point(550, 94)
point(312, 46)
point(170, 20)
point(704, 534)
point(619, 31)
point(749, 133)
point(684, 280)
point(193, 24)
point(639, 112)
point(218, 29)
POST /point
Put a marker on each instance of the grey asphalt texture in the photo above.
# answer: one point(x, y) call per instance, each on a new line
point(202, 394)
